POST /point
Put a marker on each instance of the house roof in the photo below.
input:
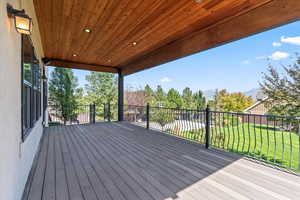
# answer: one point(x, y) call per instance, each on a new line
point(133, 35)
point(257, 103)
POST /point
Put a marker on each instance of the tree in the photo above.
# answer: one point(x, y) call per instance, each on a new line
point(102, 88)
point(199, 101)
point(187, 98)
point(149, 95)
point(62, 92)
point(160, 96)
point(283, 91)
point(234, 102)
point(174, 99)
point(215, 102)
point(162, 117)
point(230, 102)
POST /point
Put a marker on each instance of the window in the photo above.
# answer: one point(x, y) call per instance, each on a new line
point(31, 87)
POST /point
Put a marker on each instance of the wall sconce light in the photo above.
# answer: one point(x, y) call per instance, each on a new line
point(23, 22)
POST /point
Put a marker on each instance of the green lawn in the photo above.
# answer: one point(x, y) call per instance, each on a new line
point(268, 143)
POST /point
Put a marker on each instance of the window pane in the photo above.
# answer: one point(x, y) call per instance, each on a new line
point(27, 70)
point(25, 125)
point(37, 76)
point(28, 114)
point(31, 85)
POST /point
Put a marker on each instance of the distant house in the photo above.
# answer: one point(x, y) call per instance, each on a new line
point(258, 108)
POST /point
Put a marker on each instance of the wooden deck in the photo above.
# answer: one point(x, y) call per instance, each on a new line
point(121, 161)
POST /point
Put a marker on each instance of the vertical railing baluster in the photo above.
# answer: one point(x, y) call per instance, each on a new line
point(268, 138)
point(249, 135)
point(233, 132)
point(283, 140)
point(243, 131)
point(202, 126)
point(220, 131)
point(261, 137)
point(228, 129)
point(291, 145)
point(275, 140)
point(255, 138)
point(224, 131)
point(238, 132)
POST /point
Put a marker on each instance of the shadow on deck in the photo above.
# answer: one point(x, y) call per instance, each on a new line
point(122, 161)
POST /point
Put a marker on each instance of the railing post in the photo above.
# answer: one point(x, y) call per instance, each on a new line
point(91, 113)
point(120, 95)
point(207, 126)
point(108, 112)
point(94, 113)
point(148, 115)
point(104, 111)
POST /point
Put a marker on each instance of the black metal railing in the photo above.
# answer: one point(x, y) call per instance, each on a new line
point(135, 114)
point(71, 114)
point(110, 112)
point(274, 139)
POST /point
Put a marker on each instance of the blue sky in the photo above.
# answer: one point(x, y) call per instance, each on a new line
point(236, 66)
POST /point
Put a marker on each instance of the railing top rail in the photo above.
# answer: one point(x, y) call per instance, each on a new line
point(191, 110)
point(161, 107)
point(235, 113)
point(70, 105)
point(250, 114)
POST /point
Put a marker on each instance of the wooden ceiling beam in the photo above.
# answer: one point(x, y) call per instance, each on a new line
point(83, 66)
point(267, 16)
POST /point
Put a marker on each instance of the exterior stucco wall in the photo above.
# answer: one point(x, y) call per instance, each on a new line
point(15, 157)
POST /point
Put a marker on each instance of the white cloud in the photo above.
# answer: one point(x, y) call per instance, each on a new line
point(276, 44)
point(165, 80)
point(291, 40)
point(278, 55)
point(246, 62)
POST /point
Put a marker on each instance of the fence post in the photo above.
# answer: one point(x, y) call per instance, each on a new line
point(108, 112)
point(148, 115)
point(207, 126)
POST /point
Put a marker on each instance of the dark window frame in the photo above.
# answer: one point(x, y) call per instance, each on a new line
point(30, 92)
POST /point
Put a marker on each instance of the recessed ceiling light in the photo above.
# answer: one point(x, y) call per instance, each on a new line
point(87, 30)
point(74, 55)
point(109, 60)
point(134, 43)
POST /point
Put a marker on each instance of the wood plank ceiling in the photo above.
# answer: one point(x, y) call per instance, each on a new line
point(124, 32)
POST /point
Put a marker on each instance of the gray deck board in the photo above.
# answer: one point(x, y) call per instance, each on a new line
point(37, 183)
point(61, 191)
point(75, 192)
point(105, 156)
point(120, 161)
point(50, 174)
point(92, 181)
